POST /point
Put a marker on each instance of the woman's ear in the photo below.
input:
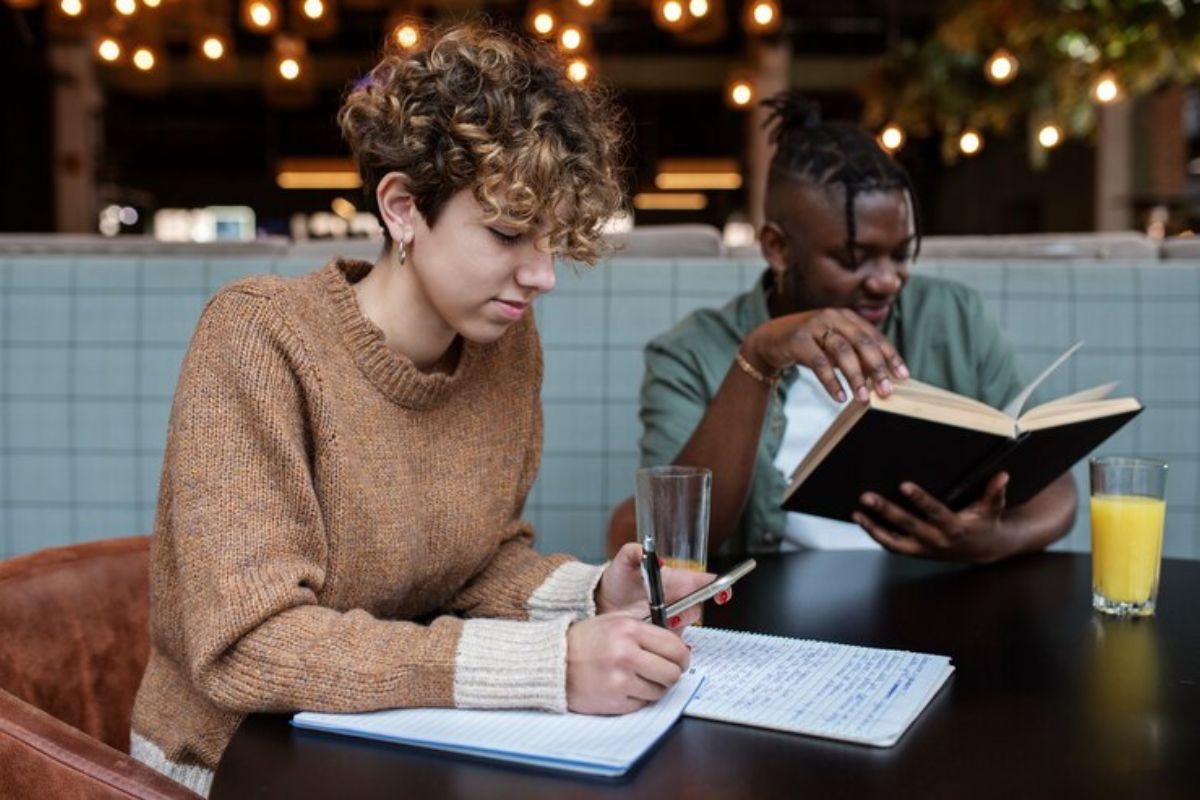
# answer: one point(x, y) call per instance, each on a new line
point(397, 207)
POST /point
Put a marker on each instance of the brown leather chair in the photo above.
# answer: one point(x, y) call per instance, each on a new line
point(74, 643)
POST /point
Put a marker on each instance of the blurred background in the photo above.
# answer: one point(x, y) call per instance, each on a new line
point(214, 119)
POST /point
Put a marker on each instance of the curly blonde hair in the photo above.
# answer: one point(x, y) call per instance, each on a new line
point(479, 109)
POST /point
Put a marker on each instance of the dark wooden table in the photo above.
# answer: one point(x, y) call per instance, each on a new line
point(1049, 700)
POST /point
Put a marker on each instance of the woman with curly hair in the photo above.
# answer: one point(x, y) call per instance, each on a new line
point(349, 451)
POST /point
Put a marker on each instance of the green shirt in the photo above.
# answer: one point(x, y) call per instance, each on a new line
point(941, 329)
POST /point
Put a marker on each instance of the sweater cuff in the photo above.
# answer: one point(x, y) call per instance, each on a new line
point(506, 664)
point(570, 589)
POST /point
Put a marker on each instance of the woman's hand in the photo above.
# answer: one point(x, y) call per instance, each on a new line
point(974, 535)
point(622, 588)
point(823, 340)
point(616, 663)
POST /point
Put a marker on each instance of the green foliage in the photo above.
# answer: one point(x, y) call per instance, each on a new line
point(1062, 46)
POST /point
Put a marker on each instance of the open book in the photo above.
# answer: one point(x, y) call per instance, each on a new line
point(951, 445)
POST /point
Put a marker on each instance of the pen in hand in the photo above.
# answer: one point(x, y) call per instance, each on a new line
point(654, 588)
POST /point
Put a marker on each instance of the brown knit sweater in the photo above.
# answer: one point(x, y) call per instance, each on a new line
point(339, 531)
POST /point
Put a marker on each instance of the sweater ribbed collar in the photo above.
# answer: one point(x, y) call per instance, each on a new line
point(392, 373)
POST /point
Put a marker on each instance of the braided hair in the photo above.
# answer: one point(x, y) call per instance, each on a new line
point(834, 154)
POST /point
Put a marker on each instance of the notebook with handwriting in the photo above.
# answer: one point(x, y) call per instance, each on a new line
point(855, 694)
point(592, 745)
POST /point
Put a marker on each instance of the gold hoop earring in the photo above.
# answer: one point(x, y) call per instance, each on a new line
point(401, 252)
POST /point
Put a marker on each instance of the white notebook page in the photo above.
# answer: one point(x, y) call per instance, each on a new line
point(856, 694)
point(596, 745)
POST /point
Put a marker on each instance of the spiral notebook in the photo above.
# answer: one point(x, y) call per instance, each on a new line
point(855, 694)
point(591, 745)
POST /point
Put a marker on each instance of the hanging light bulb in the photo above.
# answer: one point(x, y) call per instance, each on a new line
point(1001, 67)
point(740, 92)
point(970, 142)
point(585, 3)
point(289, 68)
point(72, 8)
point(143, 59)
point(570, 38)
point(542, 22)
point(152, 3)
point(1050, 136)
point(578, 70)
point(406, 35)
point(891, 138)
point(213, 47)
point(698, 8)
point(762, 16)
point(260, 16)
point(125, 8)
point(109, 49)
point(1106, 89)
point(313, 9)
point(670, 14)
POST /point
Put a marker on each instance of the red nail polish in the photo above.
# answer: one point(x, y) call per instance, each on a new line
point(674, 621)
point(722, 598)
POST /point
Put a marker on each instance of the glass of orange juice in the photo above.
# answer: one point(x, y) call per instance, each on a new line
point(1128, 505)
point(673, 507)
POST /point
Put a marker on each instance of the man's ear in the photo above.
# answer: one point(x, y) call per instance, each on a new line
point(774, 245)
point(397, 207)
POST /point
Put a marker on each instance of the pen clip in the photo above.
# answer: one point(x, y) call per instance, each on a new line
point(654, 588)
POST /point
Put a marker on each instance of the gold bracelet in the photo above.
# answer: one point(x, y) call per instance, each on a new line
point(749, 369)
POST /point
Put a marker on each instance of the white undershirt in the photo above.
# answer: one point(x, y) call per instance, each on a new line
point(809, 410)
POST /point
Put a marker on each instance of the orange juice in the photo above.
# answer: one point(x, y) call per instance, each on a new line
point(688, 564)
point(1127, 535)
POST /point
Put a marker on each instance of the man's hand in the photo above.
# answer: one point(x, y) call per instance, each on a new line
point(823, 340)
point(974, 535)
point(622, 589)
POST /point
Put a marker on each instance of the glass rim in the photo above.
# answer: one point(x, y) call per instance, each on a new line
point(673, 471)
point(1127, 462)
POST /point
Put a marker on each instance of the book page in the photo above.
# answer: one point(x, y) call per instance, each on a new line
point(1013, 409)
point(857, 694)
point(598, 745)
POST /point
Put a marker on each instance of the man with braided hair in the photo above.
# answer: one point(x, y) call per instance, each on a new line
point(746, 389)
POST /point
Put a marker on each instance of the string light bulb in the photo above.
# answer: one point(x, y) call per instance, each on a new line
point(698, 8)
point(670, 14)
point(763, 16)
point(313, 9)
point(109, 49)
point(1001, 67)
point(578, 70)
point(152, 3)
point(260, 15)
point(970, 142)
point(570, 38)
point(289, 68)
point(892, 137)
point(406, 35)
point(1106, 89)
point(740, 93)
point(143, 59)
point(1050, 136)
point(125, 8)
point(212, 47)
point(543, 22)
point(585, 3)
point(72, 8)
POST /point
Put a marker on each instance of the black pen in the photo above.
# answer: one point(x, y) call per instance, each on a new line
point(653, 583)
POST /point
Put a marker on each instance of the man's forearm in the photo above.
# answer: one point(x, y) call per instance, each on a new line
point(1043, 519)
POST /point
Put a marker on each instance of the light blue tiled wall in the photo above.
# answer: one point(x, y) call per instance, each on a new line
point(90, 349)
